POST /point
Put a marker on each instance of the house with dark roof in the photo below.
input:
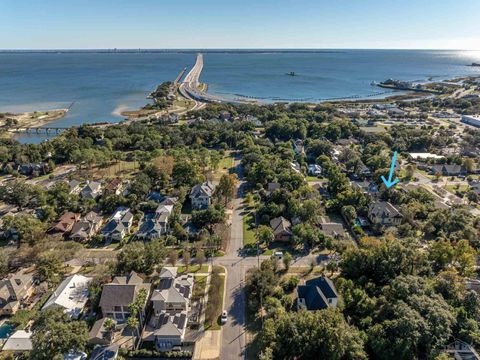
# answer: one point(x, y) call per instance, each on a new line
point(201, 195)
point(64, 224)
point(109, 352)
point(448, 170)
point(92, 190)
point(121, 292)
point(460, 350)
point(14, 290)
point(119, 225)
point(156, 225)
point(384, 214)
point(99, 334)
point(317, 294)
point(86, 227)
point(281, 229)
point(171, 304)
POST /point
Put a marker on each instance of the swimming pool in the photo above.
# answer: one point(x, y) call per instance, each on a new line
point(6, 330)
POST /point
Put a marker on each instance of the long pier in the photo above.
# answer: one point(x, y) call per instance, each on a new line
point(38, 130)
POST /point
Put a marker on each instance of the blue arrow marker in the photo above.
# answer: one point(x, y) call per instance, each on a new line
point(389, 183)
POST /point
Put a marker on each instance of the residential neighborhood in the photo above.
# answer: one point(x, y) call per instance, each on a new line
point(241, 235)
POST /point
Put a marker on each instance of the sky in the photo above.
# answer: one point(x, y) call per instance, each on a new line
point(202, 24)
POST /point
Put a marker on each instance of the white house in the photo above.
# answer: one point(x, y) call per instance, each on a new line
point(201, 195)
point(71, 295)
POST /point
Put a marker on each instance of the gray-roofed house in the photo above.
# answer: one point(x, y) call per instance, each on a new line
point(74, 186)
point(153, 227)
point(171, 304)
point(99, 335)
point(317, 294)
point(109, 352)
point(121, 292)
point(201, 195)
point(383, 213)
point(14, 290)
point(448, 170)
point(87, 227)
point(119, 225)
point(335, 230)
point(92, 190)
point(281, 229)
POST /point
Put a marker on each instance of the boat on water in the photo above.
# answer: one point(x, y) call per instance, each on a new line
point(475, 64)
point(291, 73)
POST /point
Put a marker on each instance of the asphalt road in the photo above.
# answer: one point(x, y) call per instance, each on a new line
point(233, 332)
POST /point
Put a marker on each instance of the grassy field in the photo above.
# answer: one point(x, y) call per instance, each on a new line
point(224, 166)
point(199, 286)
point(193, 269)
point(215, 302)
point(123, 168)
point(249, 230)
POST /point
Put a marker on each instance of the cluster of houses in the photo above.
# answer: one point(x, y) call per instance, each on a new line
point(163, 317)
point(79, 228)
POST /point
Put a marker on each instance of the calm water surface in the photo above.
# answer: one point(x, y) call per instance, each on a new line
point(103, 84)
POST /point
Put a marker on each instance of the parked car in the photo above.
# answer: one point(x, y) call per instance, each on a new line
point(223, 318)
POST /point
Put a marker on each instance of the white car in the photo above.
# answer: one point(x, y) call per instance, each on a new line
point(223, 318)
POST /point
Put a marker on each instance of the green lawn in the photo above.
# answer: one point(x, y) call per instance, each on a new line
point(199, 285)
point(192, 269)
point(249, 230)
point(215, 302)
point(314, 178)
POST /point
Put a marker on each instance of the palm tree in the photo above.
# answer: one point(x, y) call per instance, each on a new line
point(132, 324)
point(109, 325)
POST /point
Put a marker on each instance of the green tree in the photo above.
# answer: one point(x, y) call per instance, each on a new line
point(226, 187)
point(54, 335)
point(287, 260)
point(311, 335)
point(265, 235)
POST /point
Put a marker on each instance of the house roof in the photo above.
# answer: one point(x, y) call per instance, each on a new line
point(122, 291)
point(205, 189)
point(171, 324)
point(333, 229)
point(279, 225)
point(65, 223)
point(105, 352)
point(98, 331)
point(448, 168)
point(113, 184)
point(19, 341)
point(15, 285)
point(71, 294)
point(168, 272)
point(316, 293)
point(384, 209)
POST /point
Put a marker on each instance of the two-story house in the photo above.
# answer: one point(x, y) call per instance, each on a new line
point(119, 225)
point(14, 290)
point(121, 292)
point(155, 225)
point(201, 195)
point(171, 304)
point(384, 214)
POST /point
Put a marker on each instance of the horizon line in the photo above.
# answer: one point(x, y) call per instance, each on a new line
point(229, 49)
